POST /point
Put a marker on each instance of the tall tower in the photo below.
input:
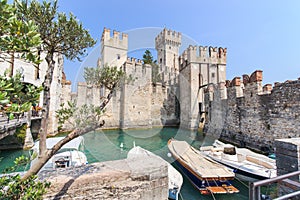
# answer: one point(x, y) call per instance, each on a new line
point(167, 44)
point(200, 68)
point(113, 49)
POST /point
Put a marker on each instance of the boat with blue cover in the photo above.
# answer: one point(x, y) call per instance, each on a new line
point(206, 175)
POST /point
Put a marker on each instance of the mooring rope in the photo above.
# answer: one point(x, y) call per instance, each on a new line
point(247, 186)
point(181, 196)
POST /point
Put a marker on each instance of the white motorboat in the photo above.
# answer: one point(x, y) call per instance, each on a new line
point(70, 155)
point(175, 178)
point(247, 165)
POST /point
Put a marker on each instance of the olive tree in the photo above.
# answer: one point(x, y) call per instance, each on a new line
point(17, 36)
point(64, 35)
point(61, 34)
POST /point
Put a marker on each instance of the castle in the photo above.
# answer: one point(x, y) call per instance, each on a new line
point(178, 98)
point(192, 91)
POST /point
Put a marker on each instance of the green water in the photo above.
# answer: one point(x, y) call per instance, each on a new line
point(114, 144)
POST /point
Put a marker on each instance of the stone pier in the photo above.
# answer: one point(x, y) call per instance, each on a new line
point(132, 179)
point(287, 161)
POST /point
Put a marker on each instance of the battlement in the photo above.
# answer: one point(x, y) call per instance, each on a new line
point(267, 89)
point(168, 37)
point(236, 81)
point(135, 68)
point(134, 61)
point(204, 54)
point(115, 38)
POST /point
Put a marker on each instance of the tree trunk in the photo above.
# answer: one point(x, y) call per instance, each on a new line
point(43, 158)
point(44, 154)
point(109, 96)
point(46, 103)
point(12, 63)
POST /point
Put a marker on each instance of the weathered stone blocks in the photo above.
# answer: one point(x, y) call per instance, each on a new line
point(132, 179)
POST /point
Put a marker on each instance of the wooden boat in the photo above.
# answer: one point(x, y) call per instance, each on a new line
point(68, 156)
point(175, 178)
point(247, 165)
point(205, 174)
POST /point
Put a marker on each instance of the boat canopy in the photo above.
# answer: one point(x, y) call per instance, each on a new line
point(50, 142)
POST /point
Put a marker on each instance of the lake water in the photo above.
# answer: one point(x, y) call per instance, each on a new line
point(114, 144)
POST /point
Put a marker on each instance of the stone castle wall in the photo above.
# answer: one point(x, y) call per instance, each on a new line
point(137, 104)
point(254, 116)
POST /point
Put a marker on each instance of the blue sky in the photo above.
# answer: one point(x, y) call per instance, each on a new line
point(261, 34)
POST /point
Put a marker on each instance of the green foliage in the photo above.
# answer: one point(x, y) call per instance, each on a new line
point(60, 33)
point(16, 96)
point(13, 188)
point(147, 57)
point(19, 163)
point(65, 112)
point(109, 77)
point(86, 115)
point(20, 133)
point(89, 115)
point(17, 35)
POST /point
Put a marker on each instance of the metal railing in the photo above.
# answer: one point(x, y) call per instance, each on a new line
point(255, 193)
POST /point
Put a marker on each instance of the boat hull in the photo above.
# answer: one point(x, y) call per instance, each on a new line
point(200, 184)
point(240, 173)
point(192, 164)
point(247, 165)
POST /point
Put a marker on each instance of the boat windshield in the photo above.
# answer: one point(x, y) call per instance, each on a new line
point(229, 149)
point(74, 144)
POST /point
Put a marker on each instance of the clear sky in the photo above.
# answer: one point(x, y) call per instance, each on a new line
point(258, 34)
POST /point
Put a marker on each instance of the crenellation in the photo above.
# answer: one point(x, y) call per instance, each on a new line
point(81, 84)
point(185, 55)
point(236, 81)
point(246, 79)
point(105, 35)
point(223, 90)
point(256, 76)
point(203, 51)
point(124, 36)
point(169, 35)
point(116, 36)
point(227, 83)
point(213, 52)
point(222, 52)
point(267, 89)
point(259, 116)
point(204, 54)
point(192, 53)
point(134, 61)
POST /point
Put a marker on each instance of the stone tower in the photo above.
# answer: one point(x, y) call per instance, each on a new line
point(200, 67)
point(113, 48)
point(167, 44)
